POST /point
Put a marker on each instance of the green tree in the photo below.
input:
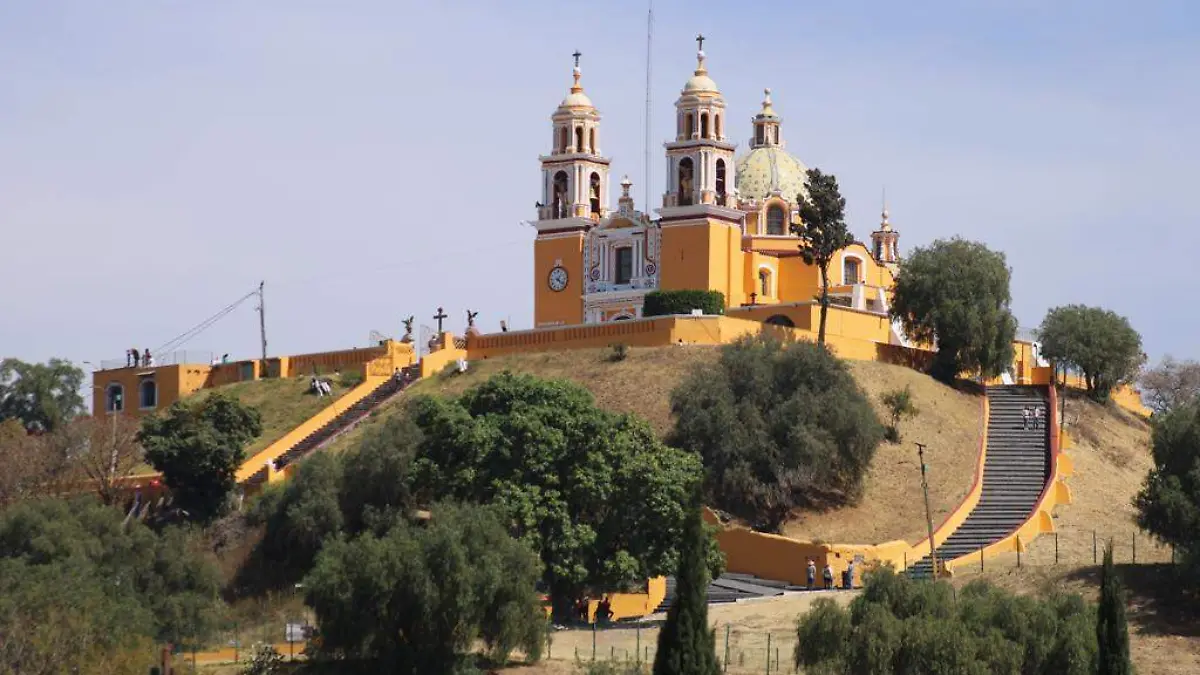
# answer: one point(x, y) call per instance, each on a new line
point(686, 643)
point(955, 294)
point(599, 497)
point(417, 597)
point(1097, 342)
point(823, 638)
point(1168, 505)
point(198, 446)
point(899, 404)
point(376, 474)
point(780, 425)
point(822, 231)
point(42, 396)
point(1112, 633)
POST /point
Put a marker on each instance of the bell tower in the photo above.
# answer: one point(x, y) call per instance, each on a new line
point(574, 198)
point(885, 242)
point(701, 224)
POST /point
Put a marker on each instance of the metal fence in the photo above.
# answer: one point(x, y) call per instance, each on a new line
point(739, 650)
point(174, 358)
point(1075, 547)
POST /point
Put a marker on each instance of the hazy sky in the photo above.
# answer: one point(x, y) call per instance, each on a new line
point(371, 160)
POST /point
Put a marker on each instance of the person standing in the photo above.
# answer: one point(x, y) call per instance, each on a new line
point(128, 358)
point(136, 357)
point(147, 360)
point(827, 575)
point(1024, 417)
point(1039, 418)
point(812, 574)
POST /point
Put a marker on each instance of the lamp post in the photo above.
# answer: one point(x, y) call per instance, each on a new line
point(928, 514)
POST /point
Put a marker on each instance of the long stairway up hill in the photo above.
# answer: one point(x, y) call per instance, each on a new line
point(1015, 471)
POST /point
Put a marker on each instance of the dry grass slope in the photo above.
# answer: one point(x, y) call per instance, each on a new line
point(641, 384)
point(283, 404)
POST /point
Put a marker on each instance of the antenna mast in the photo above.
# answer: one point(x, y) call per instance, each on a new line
point(646, 145)
point(262, 320)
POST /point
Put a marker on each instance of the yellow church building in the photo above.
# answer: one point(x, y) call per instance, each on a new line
point(724, 224)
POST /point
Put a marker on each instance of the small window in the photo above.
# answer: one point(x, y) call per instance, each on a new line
point(685, 181)
point(624, 271)
point(879, 249)
point(717, 126)
point(775, 217)
point(764, 283)
point(689, 123)
point(592, 141)
point(594, 193)
point(578, 139)
point(850, 271)
point(147, 394)
point(114, 398)
point(721, 180)
point(703, 125)
point(563, 135)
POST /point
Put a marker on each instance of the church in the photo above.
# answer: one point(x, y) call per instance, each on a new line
point(724, 224)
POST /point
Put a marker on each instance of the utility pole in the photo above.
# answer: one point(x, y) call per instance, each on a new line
point(928, 514)
point(262, 320)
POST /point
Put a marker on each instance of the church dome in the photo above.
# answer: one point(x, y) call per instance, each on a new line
point(700, 82)
point(576, 99)
point(768, 170)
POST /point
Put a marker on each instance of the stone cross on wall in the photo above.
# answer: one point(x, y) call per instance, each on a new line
point(440, 317)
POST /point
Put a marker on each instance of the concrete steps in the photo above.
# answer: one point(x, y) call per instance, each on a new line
point(1015, 472)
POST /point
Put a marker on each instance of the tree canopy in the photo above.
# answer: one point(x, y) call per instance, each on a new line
point(43, 396)
point(955, 294)
point(599, 497)
point(416, 597)
point(779, 425)
point(198, 446)
point(686, 643)
point(907, 627)
point(1168, 504)
point(822, 230)
point(77, 581)
point(1171, 384)
point(1099, 343)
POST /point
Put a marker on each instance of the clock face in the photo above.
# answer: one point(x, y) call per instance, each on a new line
point(558, 279)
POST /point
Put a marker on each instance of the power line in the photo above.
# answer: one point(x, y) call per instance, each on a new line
point(186, 336)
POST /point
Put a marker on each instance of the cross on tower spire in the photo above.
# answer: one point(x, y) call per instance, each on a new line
point(577, 54)
point(700, 42)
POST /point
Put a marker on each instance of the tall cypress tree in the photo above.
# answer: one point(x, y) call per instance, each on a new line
point(686, 645)
point(1111, 630)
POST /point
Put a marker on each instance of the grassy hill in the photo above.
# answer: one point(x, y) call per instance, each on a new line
point(949, 423)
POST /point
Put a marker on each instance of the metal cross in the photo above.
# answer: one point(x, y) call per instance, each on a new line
point(440, 317)
point(577, 55)
point(700, 42)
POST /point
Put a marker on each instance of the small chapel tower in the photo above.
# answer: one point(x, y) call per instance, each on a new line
point(885, 242)
point(699, 218)
point(766, 125)
point(574, 198)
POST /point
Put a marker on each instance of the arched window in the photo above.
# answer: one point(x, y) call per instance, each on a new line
point(578, 139)
point(689, 125)
point(114, 398)
point(721, 181)
point(685, 181)
point(703, 125)
point(147, 394)
point(851, 271)
point(592, 141)
point(563, 139)
point(758, 135)
point(594, 193)
point(781, 320)
point(775, 218)
point(879, 249)
point(717, 126)
point(559, 203)
point(764, 282)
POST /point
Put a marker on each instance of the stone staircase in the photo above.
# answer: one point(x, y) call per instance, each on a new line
point(731, 587)
point(1015, 472)
point(349, 418)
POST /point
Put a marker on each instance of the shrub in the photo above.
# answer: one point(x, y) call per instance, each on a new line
point(350, 379)
point(264, 660)
point(666, 303)
point(618, 352)
point(900, 626)
point(899, 404)
point(779, 424)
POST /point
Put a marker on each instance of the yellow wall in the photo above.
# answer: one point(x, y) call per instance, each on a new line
point(704, 256)
point(563, 307)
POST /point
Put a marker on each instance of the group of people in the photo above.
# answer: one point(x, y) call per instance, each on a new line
point(134, 358)
point(827, 576)
point(320, 387)
point(1033, 417)
point(604, 611)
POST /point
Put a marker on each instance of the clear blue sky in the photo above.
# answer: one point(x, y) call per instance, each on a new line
point(371, 160)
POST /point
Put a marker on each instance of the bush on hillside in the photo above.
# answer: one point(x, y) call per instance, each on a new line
point(199, 446)
point(417, 597)
point(955, 295)
point(599, 497)
point(80, 587)
point(779, 425)
point(899, 404)
point(902, 626)
point(666, 303)
point(1168, 504)
point(1097, 342)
